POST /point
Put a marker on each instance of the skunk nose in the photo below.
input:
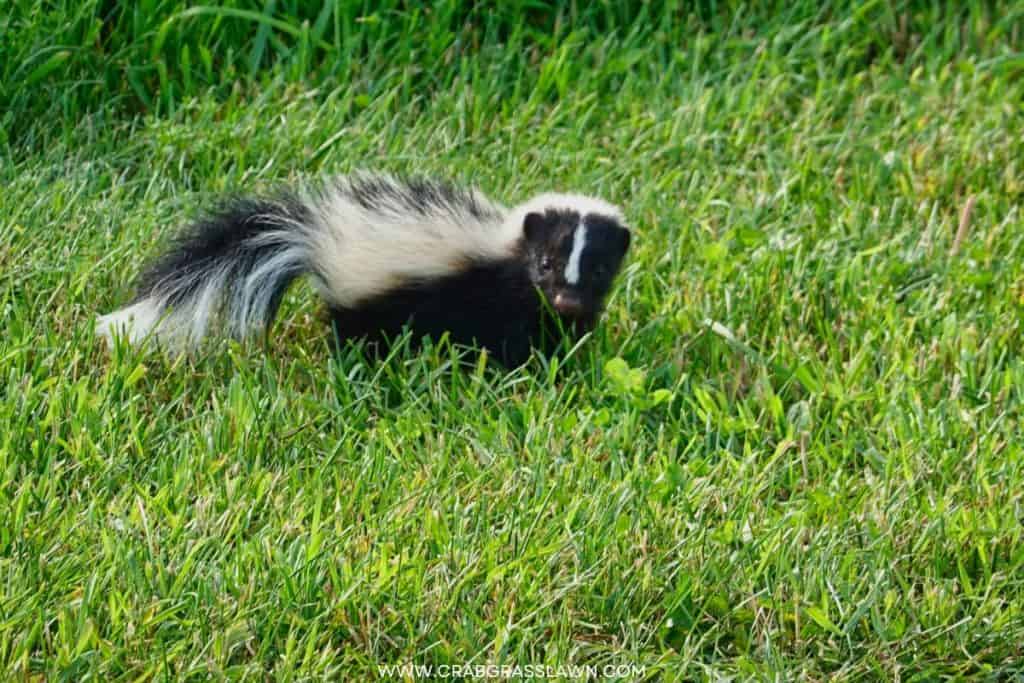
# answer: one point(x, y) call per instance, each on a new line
point(568, 305)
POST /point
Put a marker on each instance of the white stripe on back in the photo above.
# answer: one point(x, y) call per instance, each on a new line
point(572, 269)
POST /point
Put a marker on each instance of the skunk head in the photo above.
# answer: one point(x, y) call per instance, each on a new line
point(575, 247)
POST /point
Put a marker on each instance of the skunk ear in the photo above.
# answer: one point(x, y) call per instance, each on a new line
point(625, 237)
point(534, 227)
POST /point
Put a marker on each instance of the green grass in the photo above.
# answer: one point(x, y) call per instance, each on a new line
point(792, 450)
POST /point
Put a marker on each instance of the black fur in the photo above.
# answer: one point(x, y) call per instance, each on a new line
point(491, 305)
point(223, 239)
point(505, 306)
point(549, 237)
point(508, 305)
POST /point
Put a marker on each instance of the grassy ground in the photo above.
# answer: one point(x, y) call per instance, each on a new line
point(792, 450)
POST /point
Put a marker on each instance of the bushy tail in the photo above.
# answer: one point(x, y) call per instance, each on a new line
point(232, 266)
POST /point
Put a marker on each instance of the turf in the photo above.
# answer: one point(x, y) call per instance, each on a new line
point(792, 450)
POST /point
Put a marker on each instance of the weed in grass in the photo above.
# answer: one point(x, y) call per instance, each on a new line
point(792, 449)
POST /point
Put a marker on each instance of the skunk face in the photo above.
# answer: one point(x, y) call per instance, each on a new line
point(573, 258)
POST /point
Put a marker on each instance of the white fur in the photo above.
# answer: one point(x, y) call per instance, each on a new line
point(579, 203)
point(135, 321)
point(351, 252)
point(359, 253)
point(579, 241)
point(202, 311)
point(175, 327)
point(246, 311)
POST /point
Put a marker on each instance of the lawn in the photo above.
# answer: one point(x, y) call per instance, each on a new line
point(792, 449)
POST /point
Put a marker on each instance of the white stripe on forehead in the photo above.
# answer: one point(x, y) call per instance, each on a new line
point(579, 240)
point(581, 204)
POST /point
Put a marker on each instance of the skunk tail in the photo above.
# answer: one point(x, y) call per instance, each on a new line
point(357, 237)
point(234, 266)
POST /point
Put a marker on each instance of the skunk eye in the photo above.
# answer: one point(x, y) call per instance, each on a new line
point(545, 263)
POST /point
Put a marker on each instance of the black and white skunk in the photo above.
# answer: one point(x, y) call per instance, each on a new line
point(386, 254)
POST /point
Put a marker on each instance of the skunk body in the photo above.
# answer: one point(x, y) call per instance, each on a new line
point(386, 254)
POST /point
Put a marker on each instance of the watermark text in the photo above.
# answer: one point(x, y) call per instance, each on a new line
point(512, 671)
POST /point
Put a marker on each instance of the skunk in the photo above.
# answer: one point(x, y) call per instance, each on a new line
point(388, 254)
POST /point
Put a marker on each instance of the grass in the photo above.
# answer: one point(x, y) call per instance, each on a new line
point(792, 450)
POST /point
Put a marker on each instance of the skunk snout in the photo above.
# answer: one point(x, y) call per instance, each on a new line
point(568, 304)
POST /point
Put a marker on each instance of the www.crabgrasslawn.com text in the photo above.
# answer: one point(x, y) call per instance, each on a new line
point(512, 671)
